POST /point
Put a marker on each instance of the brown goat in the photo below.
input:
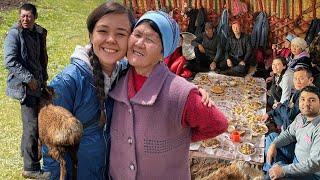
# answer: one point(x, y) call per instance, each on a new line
point(60, 131)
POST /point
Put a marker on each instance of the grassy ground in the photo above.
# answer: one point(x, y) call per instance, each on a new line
point(65, 22)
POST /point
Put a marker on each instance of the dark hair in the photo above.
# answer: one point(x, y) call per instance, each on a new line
point(108, 8)
point(29, 7)
point(93, 18)
point(311, 89)
point(282, 59)
point(304, 68)
point(209, 25)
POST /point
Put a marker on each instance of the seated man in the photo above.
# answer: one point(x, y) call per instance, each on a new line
point(206, 48)
point(238, 53)
point(304, 130)
point(285, 112)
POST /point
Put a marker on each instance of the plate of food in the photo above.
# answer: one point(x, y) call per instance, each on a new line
point(255, 105)
point(210, 143)
point(246, 149)
point(259, 129)
point(216, 89)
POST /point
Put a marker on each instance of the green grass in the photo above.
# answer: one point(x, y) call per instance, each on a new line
point(65, 21)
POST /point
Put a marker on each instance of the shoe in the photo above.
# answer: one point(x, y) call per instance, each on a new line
point(36, 174)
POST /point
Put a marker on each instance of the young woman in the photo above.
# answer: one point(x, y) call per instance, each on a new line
point(156, 113)
point(281, 84)
point(83, 85)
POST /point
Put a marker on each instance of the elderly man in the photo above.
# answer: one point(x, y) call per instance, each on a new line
point(25, 57)
point(304, 130)
point(238, 53)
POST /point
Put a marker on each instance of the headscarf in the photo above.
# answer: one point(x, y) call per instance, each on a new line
point(290, 36)
point(300, 42)
point(168, 27)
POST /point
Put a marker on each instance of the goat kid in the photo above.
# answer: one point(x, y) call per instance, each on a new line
point(60, 131)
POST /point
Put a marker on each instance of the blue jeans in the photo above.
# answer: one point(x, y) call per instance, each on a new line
point(285, 155)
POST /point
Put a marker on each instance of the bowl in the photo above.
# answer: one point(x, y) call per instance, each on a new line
point(246, 149)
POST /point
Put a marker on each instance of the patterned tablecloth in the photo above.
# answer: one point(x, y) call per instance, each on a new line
point(243, 101)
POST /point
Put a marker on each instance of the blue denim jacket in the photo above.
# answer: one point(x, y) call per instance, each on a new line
point(16, 61)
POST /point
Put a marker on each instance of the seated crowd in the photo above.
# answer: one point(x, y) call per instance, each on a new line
point(293, 96)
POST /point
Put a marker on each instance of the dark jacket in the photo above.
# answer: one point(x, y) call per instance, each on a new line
point(200, 21)
point(211, 46)
point(313, 30)
point(259, 35)
point(223, 28)
point(192, 15)
point(17, 62)
point(239, 49)
point(286, 112)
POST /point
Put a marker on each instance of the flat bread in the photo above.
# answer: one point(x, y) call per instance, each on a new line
point(217, 89)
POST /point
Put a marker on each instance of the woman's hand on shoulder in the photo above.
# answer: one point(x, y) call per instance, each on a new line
point(205, 98)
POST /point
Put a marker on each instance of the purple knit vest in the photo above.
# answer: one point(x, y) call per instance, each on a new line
point(147, 139)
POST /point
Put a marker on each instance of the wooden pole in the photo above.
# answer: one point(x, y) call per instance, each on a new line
point(269, 7)
point(221, 5)
point(284, 6)
point(205, 4)
point(163, 3)
point(248, 4)
point(134, 4)
point(174, 3)
point(300, 7)
point(314, 10)
point(260, 6)
point(292, 8)
point(145, 5)
point(274, 6)
point(211, 4)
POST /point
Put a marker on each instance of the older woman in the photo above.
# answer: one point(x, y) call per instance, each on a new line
point(298, 53)
point(156, 113)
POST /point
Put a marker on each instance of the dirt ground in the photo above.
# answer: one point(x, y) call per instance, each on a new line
point(7, 4)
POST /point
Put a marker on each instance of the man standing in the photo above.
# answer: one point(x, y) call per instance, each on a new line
point(238, 53)
point(305, 131)
point(25, 57)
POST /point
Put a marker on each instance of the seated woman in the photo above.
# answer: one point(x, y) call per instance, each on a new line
point(298, 53)
point(281, 84)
